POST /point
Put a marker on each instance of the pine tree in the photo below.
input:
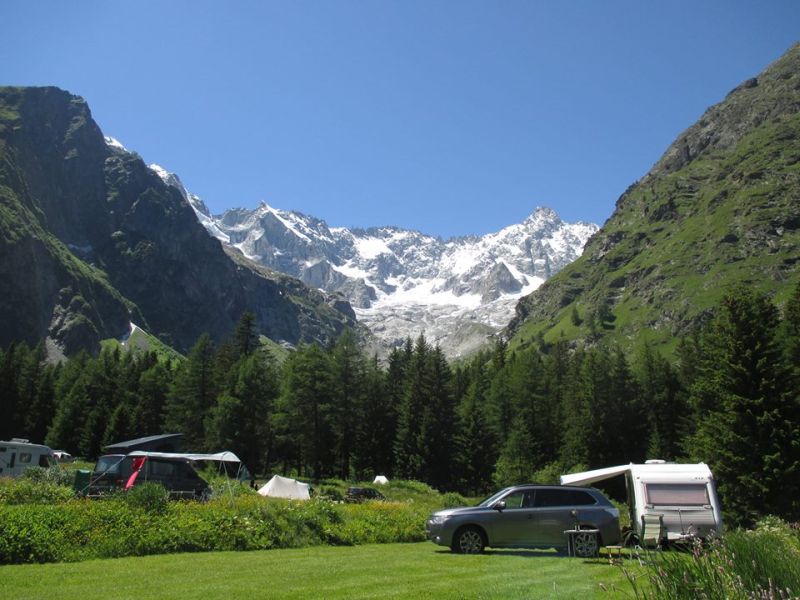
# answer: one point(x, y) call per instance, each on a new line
point(192, 395)
point(748, 426)
point(519, 457)
point(304, 415)
point(664, 404)
point(241, 419)
point(348, 398)
point(245, 338)
point(475, 441)
point(376, 428)
point(410, 461)
point(437, 428)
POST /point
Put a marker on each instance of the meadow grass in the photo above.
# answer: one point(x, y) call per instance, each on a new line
point(761, 564)
point(418, 570)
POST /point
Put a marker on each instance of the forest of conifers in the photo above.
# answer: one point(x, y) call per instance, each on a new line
point(730, 397)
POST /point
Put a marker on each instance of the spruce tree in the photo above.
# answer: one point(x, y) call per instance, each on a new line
point(192, 395)
point(475, 441)
point(304, 414)
point(410, 461)
point(348, 398)
point(748, 426)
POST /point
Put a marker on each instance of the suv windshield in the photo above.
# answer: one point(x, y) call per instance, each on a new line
point(108, 464)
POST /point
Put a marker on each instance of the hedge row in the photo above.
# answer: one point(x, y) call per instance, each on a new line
point(80, 529)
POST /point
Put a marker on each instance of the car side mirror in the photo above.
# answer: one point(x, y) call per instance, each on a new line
point(500, 506)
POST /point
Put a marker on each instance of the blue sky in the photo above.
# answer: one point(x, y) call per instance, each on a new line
point(450, 117)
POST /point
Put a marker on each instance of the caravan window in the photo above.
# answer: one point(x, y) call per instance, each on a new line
point(24, 458)
point(677, 494)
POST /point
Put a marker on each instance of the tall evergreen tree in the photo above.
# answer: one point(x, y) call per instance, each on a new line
point(663, 403)
point(241, 419)
point(477, 449)
point(748, 426)
point(376, 428)
point(409, 456)
point(348, 398)
point(192, 395)
point(304, 418)
point(437, 428)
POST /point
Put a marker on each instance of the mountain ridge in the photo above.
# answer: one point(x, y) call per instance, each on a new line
point(719, 208)
point(401, 282)
point(94, 240)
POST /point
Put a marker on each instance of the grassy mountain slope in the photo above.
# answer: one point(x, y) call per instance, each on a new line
point(720, 208)
point(103, 213)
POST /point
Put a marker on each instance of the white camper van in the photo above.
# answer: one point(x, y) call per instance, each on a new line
point(672, 501)
point(18, 454)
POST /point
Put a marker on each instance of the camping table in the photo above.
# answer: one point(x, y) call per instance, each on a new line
point(572, 534)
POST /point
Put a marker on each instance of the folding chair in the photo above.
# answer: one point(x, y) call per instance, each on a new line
point(651, 534)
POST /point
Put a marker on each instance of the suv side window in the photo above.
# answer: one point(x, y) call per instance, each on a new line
point(515, 499)
point(519, 499)
point(549, 498)
point(160, 468)
point(581, 498)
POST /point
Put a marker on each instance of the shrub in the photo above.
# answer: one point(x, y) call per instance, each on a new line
point(150, 497)
point(331, 493)
point(31, 491)
point(54, 474)
point(453, 499)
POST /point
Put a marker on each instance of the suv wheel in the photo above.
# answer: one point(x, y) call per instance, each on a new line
point(586, 545)
point(468, 540)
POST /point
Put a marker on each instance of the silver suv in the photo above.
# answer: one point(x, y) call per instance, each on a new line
point(529, 516)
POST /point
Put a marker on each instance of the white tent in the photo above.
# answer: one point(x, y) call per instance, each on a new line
point(380, 479)
point(283, 487)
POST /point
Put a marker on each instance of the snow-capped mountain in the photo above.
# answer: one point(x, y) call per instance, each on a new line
point(402, 283)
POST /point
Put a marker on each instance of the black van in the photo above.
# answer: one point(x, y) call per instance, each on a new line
point(176, 474)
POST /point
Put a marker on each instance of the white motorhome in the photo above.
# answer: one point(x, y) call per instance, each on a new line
point(18, 454)
point(682, 498)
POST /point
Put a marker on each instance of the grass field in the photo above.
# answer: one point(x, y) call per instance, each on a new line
point(420, 570)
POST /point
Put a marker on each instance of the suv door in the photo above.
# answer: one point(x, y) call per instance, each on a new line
point(553, 508)
point(514, 525)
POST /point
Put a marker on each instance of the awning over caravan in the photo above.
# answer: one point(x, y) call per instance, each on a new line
point(588, 477)
point(283, 487)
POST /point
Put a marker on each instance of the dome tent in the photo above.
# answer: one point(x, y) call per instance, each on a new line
point(283, 487)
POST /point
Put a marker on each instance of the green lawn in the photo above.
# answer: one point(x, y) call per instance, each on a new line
point(420, 570)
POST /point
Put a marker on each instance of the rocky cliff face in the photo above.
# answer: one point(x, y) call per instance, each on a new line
point(400, 282)
point(720, 208)
point(95, 239)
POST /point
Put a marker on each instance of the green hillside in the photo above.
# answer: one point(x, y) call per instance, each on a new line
point(720, 208)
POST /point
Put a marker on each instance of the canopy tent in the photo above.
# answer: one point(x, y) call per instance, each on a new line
point(380, 479)
point(223, 458)
point(283, 487)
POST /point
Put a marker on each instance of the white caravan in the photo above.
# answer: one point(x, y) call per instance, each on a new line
point(682, 498)
point(18, 454)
